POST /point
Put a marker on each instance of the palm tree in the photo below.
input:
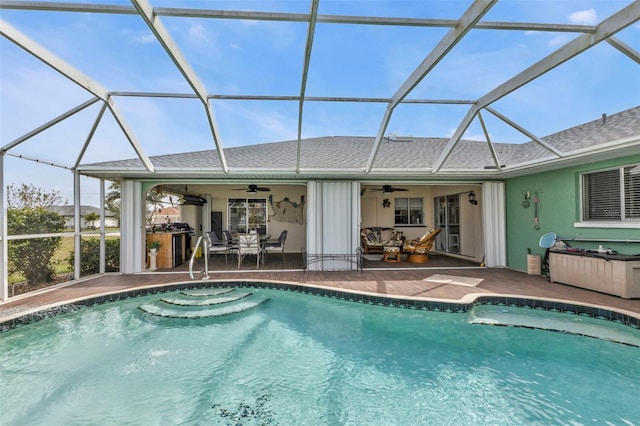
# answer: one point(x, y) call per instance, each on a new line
point(90, 219)
point(112, 200)
point(153, 199)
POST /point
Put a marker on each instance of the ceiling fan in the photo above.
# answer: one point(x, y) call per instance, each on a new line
point(388, 189)
point(252, 189)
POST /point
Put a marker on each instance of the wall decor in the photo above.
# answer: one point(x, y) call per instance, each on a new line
point(286, 210)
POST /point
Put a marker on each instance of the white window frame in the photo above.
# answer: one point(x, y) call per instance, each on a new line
point(246, 200)
point(409, 199)
point(623, 222)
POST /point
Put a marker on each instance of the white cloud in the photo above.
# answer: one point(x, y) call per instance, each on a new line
point(248, 22)
point(468, 136)
point(144, 38)
point(235, 46)
point(254, 123)
point(471, 137)
point(197, 34)
point(584, 17)
point(559, 40)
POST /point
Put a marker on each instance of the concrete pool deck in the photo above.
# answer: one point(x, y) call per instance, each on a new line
point(449, 285)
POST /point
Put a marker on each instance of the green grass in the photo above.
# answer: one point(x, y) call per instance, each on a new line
point(60, 259)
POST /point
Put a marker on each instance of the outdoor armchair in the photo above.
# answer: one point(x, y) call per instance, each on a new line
point(422, 245)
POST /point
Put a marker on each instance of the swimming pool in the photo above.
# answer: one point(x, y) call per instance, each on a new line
point(300, 359)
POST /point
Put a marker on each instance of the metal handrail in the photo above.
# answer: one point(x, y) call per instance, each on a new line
point(206, 259)
point(352, 258)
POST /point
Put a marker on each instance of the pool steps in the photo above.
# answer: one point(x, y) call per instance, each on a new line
point(204, 292)
point(204, 301)
point(553, 321)
point(197, 304)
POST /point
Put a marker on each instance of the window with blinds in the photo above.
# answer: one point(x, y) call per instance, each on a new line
point(408, 211)
point(612, 195)
point(632, 192)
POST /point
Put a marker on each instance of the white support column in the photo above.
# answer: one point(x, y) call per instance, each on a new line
point(132, 232)
point(4, 252)
point(494, 224)
point(206, 214)
point(355, 215)
point(103, 249)
point(77, 226)
point(314, 220)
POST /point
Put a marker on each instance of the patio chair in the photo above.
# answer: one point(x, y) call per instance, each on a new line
point(215, 245)
point(248, 245)
point(232, 245)
point(375, 239)
point(422, 245)
point(275, 246)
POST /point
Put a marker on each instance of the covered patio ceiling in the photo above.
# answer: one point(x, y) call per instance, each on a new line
point(444, 41)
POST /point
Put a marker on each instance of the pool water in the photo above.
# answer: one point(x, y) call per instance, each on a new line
point(302, 359)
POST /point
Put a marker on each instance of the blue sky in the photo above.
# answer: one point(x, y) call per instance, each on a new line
point(266, 58)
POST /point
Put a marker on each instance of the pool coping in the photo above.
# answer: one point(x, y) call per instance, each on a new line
point(462, 305)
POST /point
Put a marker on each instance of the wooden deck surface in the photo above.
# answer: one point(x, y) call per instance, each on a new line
point(391, 281)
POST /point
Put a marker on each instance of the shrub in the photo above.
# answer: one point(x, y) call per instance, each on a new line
point(90, 256)
point(33, 258)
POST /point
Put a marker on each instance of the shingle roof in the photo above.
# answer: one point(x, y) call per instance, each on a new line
point(402, 153)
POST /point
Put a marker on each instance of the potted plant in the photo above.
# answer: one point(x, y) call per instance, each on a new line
point(153, 246)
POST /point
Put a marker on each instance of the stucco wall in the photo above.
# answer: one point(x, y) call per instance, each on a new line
point(559, 210)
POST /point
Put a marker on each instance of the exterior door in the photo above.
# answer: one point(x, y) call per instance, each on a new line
point(447, 217)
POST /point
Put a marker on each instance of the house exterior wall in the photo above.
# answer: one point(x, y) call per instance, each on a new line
point(559, 210)
point(166, 215)
point(109, 222)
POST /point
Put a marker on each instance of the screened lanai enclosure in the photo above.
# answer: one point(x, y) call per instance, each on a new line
point(117, 110)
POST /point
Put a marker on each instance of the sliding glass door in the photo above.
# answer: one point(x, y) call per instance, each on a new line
point(447, 217)
point(246, 214)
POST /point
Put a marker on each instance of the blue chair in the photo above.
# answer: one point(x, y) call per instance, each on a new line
point(277, 245)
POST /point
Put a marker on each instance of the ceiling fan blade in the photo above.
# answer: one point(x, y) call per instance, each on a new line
point(252, 189)
point(388, 189)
